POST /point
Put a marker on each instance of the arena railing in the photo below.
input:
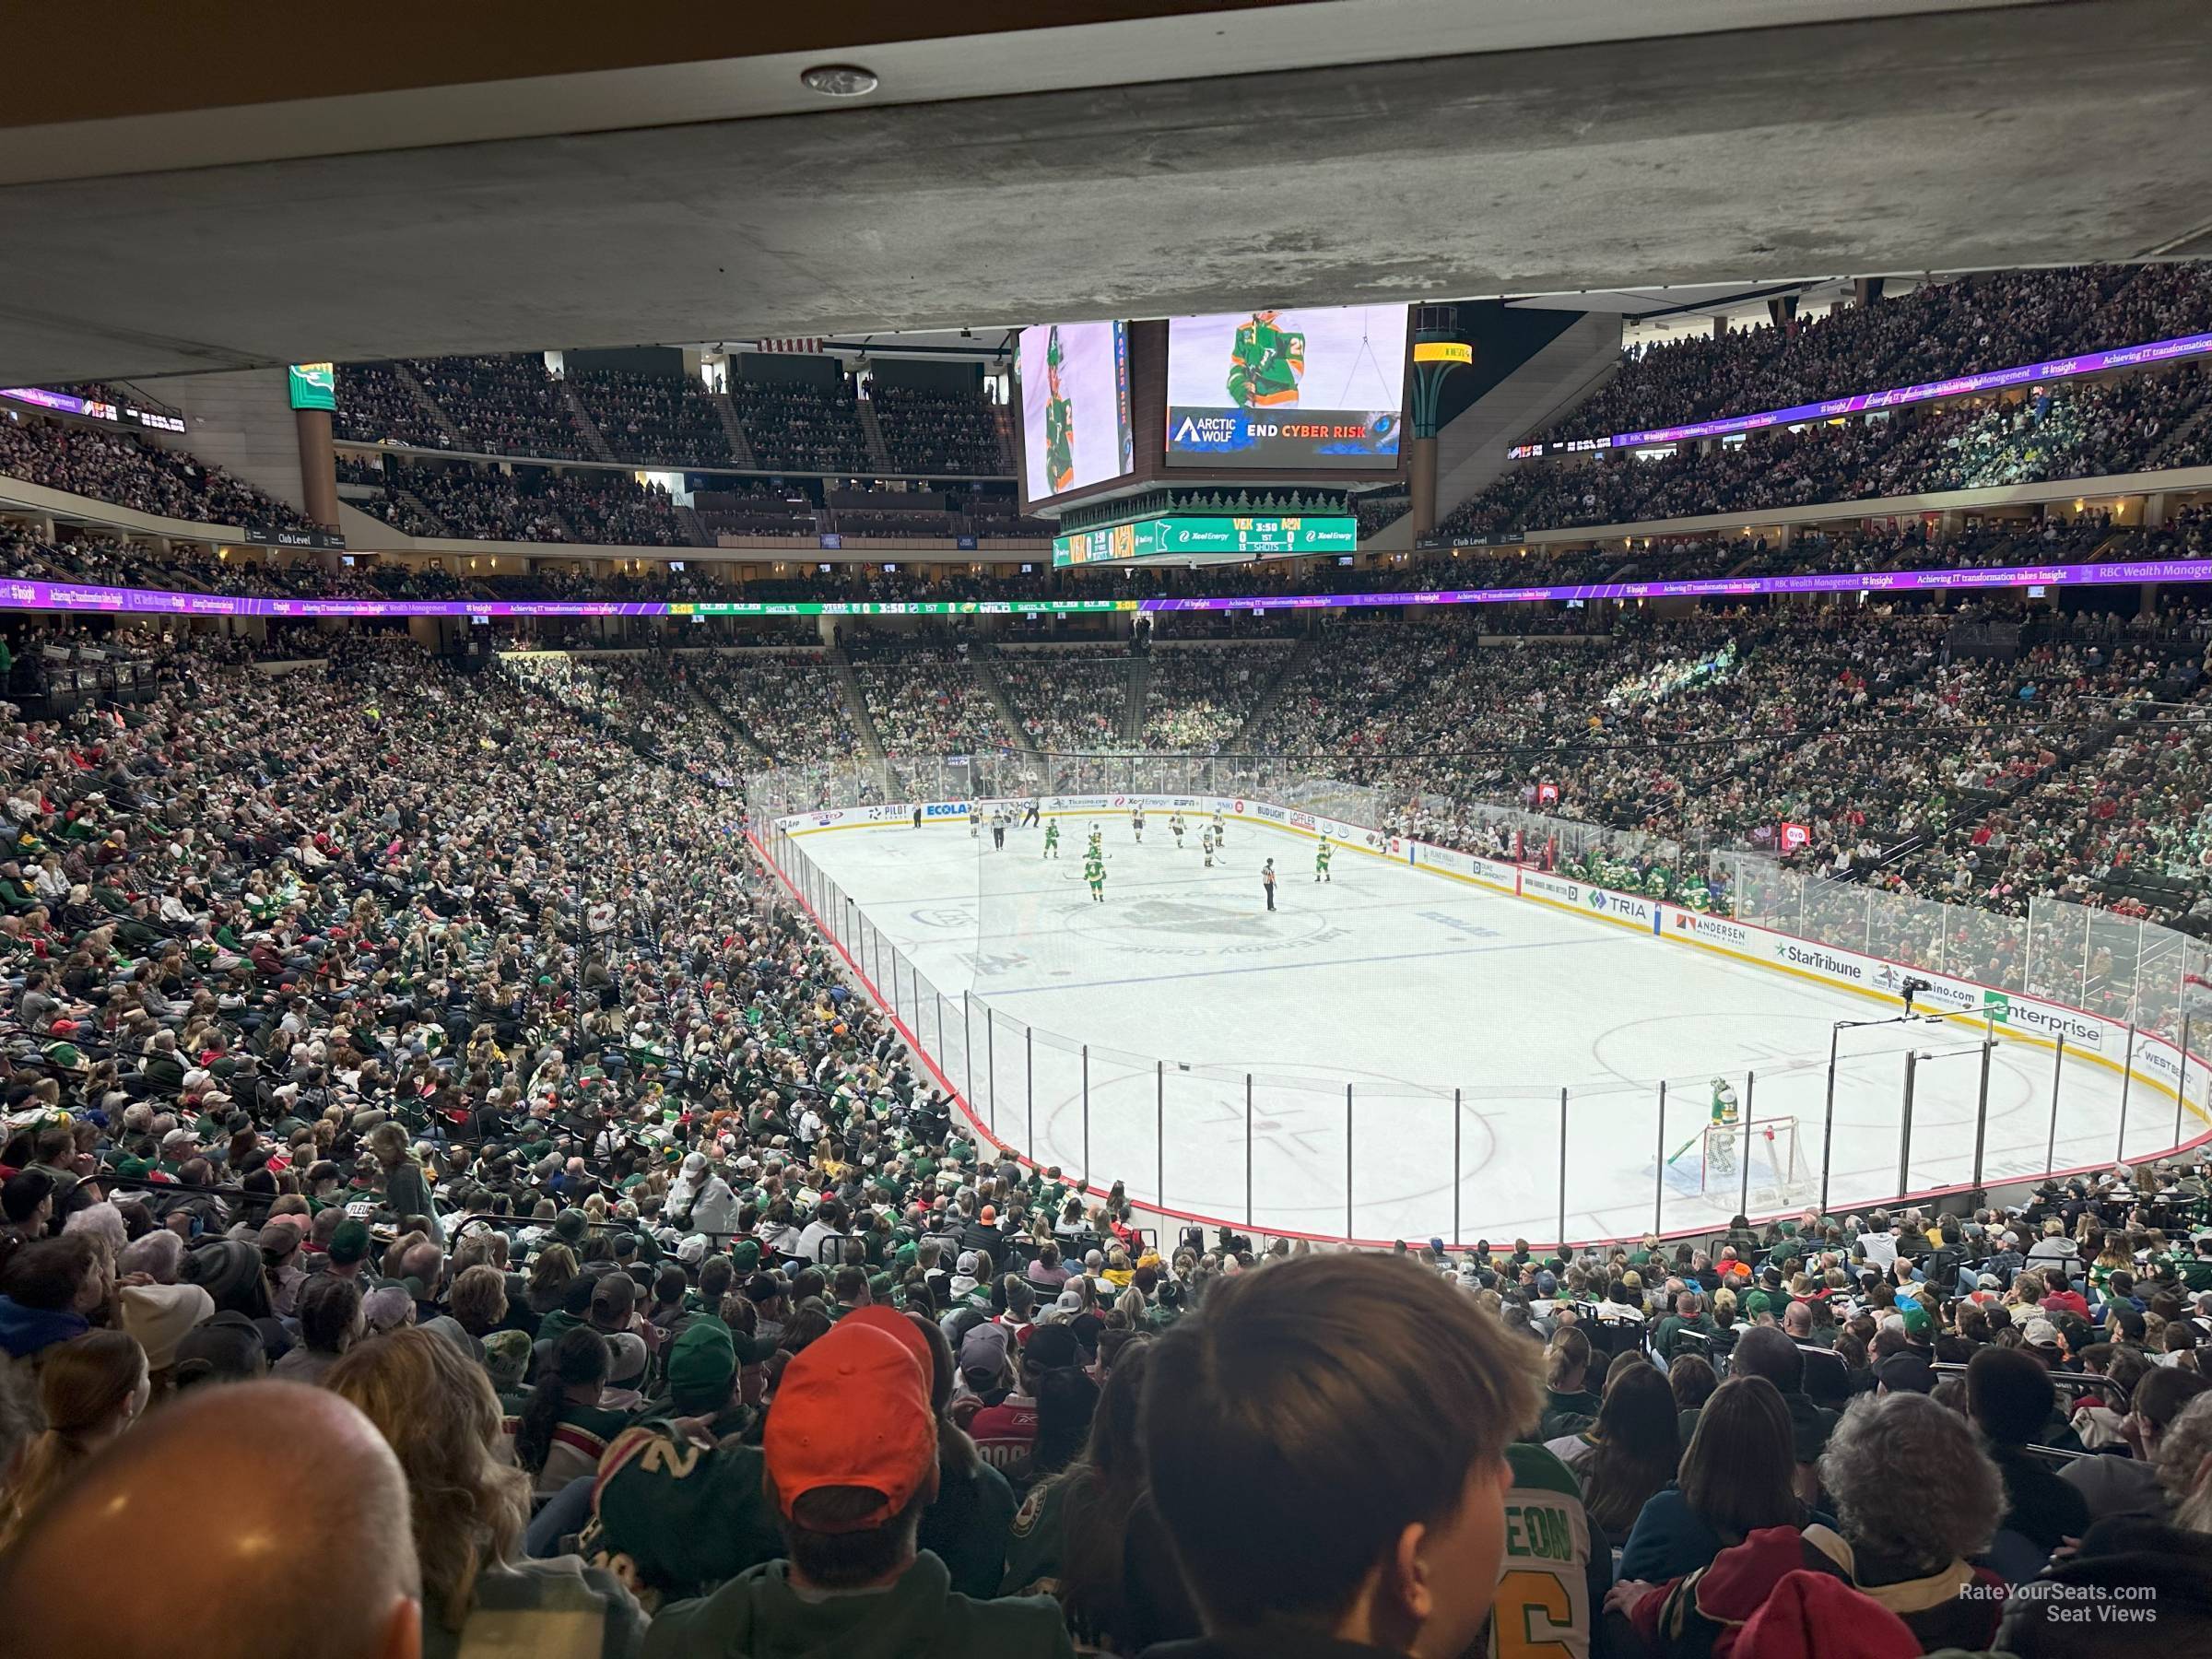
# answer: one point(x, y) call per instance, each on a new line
point(1295, 1152)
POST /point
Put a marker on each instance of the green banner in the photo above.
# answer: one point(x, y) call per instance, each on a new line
point(1182, 535)
point(315, 385)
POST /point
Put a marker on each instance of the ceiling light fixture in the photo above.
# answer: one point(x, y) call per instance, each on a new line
point(842, 80)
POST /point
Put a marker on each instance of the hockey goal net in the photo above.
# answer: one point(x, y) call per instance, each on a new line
point(1760, 1166)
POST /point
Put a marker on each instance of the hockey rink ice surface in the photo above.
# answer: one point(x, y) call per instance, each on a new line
point(1404, 984)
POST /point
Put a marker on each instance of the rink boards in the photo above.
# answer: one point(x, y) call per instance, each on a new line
point(2155, 1062)
point(1092, 1093)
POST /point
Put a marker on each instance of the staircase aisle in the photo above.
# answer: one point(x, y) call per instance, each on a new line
point(878, 456)
point(981, 664)
point(1301, 654)
point(422, 394)
point(856, 702)
point(1132, 703)
point(593, 440)
point(741, 449)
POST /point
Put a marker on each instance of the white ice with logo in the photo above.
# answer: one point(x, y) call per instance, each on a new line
point(1406, 985)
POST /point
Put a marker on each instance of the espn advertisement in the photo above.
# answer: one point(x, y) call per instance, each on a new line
point(1075, 406)
point(1324, 387)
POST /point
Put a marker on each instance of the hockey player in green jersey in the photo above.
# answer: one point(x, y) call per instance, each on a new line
point(1720, 1139)
point(1094, 872)
point(1059, 420)
point(1265, 364)
point(1320, 862)
point(1051, 840)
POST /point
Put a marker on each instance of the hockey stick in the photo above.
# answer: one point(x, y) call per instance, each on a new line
point(1685, 1147)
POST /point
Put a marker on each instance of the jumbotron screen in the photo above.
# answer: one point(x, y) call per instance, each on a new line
point(1271, 388)
point(1183, 535)
point(1075, 406)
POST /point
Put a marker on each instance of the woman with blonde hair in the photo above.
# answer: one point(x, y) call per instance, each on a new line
point(90, 1388)
point(437, 1409)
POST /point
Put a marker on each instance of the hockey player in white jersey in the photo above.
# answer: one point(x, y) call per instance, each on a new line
point(1175, 824)
point(1137, 823)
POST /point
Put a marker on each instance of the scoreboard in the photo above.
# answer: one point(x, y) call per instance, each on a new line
point(1186, 536)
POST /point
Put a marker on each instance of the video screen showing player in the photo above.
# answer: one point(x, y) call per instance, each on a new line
point(1075, 406)
point(1311, 388)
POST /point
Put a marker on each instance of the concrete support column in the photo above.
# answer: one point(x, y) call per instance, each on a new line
point(1866, 289)
point(1420, 478)
point(318, 466)
point(1720, 328)
point(2154, 511)
point(1782, 310)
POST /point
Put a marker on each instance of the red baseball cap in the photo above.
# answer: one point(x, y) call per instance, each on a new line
point(851, 1410)
point(877, 1317)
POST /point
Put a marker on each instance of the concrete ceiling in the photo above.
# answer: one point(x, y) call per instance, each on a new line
point(1133, 159)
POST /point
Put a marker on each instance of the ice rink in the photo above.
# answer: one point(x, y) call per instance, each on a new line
point(1406, 986)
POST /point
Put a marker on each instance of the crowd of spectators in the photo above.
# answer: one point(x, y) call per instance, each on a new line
point(476, 502)
point(936, 432)
point(500, 1142)
point(1200, 696)
point(789, 703)
point(2067, 432)
point(132, 472)
point(925, 700)
point(802, 428)
point(653, 419)
point(1068, 698)
point(1994, 320)
point(375, 406)
point(503, 406)
point(502, 1145)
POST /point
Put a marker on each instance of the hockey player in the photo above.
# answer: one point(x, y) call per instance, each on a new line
point(1720, 1139)
point(1059, 418)
point(1051, 839)
point(1137, 823)
point(1220, 829)
point(1266, 364)
point(1098, 838)
point(1320, 862)
point(975, 822)
point(1175, 824)
point(1030, 820)
point(1094, 872)
point(917, 815)
point(1205, 844)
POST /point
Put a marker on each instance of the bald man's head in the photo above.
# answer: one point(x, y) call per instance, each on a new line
point(250, 1471)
